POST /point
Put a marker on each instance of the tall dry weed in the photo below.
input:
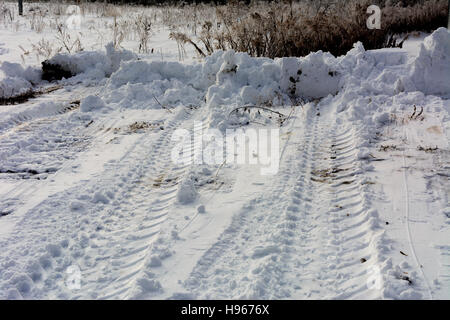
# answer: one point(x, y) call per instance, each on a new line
point(288, 28)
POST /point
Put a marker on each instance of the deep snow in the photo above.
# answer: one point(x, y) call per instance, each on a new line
point(359, 207)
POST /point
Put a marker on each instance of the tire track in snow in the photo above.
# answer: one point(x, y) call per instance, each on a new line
point(296, 241)
point(18, 117)
point(353, 227)
point(49, 136)
point(111, 233)
point(45, 131)
point(249, 248)
point(135, 250)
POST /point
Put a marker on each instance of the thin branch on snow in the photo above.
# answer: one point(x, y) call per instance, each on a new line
point(164, 107)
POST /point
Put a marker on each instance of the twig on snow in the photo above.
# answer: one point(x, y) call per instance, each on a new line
point(164, 107)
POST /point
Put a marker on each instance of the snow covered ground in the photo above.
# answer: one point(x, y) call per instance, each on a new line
point(93, 205)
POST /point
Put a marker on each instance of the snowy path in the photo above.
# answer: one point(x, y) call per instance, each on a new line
point(305, 236)
point(309, 232)
point(359, 208)
point(121, 223)
point(123, 247)
point(38, 139)
point(132, 187)
point(416, 196)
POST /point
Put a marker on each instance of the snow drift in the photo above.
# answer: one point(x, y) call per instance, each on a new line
point(431, 69)
point(107, 208)
point(92, 64)
point(229, 79)
point(16, 80)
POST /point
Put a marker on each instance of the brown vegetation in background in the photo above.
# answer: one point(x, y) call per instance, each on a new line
point(280, 29)
point(261, 28)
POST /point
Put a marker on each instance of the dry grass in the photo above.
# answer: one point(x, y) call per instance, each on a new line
point(425, 16)
point(271, 29)
point(143, 27)
point(285, 28)
point(67, 41)
point(45, 49)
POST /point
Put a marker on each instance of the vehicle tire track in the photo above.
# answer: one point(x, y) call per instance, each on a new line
point(353, 226)
point(132, 242)
point(108, 234)
point(303, 238)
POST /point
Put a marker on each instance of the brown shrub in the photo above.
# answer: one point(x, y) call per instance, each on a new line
point(280, 29)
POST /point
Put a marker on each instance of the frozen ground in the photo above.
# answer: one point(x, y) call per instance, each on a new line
point(92, 206)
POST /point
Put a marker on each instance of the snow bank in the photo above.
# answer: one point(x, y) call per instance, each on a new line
point(233, 79)
point(246, 80)
point(227, 79)
point(223, 81)
point(93, 64)
point(137, 83)
point(12, 86)
point(16, 70)
point(431, 69)
point(314, 76)
point(16, 80)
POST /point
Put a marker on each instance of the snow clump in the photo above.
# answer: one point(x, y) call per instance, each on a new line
point(431, 69)
point(91, 103)
point(16, 80)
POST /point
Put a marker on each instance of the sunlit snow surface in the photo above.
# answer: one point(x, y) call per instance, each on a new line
point(91, 205)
